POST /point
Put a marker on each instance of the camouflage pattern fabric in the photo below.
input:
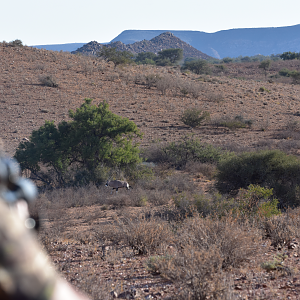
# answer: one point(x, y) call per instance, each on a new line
point(25, 272)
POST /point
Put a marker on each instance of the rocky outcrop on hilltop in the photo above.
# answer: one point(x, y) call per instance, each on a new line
point(164, 41)
point(91, 48)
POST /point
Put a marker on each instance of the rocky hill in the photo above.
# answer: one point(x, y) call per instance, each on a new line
point(163, 41)
point(91, 48)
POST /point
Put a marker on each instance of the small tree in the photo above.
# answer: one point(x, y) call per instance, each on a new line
point(227, 60)
point(265, 65)
point(296, 76)
point(290, 55)
point(15, 43)
point(147, 58)
point(116, 56)
point(169, 57)
point(94, 137)
point(198, 66)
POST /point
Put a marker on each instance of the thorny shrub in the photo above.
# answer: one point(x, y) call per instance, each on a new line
point(234, 123)
point(193, 117)
point(197, 273)
point(145, 236)
point(214, 204)
point(48, 80)
point(281, 230)
point(164, 83)
point(235, 242)
point(204, 248)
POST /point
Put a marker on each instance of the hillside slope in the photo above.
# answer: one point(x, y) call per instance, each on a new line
point(25, 103)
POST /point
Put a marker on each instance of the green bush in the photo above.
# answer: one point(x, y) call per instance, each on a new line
point(116, 56)
point(94, 138)
point(227, 60)
point(284, 72)
point(296, 77)
point(290, 55)
point(257, 201)
point(267, 168)
point(263, 89)
point(265, 65)
point(198, 66)
point(214, 205)
point(194, 117)
point(169, 57)
point(146, 58)
point(15, 43)
point(177, 154)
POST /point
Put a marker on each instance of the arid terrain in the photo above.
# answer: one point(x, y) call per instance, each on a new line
point(78, 235)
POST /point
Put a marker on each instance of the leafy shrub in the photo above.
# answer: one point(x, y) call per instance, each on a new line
point(147, 58)
point(265, 65)
point(169, 57)
point(15, 43)
point(95, 137)
point(284, 72)
point(267, 168)
point(116, 56)
point(48, 80)
point(194, 117)
point(187, 149)
point(263, 89)
point(256, 201)
point(215, 204)
point(277, 264)
point(296, 77)
point(290, 55)
point(199, 66)
point(227, 60)
point(220, 68)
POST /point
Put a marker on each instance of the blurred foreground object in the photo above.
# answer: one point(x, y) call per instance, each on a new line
point(25, 271)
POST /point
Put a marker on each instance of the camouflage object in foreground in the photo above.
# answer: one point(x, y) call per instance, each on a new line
point(25, 272)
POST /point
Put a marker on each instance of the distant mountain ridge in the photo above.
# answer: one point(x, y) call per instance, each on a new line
point(163, 41)
point(225, 43)
point(229, 43)
point(60, 47)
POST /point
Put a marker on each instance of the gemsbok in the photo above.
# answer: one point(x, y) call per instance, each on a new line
point(117, 184)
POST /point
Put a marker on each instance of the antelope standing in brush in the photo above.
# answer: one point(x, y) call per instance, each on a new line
point(117, 184)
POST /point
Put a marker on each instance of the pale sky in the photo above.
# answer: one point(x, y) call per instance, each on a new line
point(40, 22)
